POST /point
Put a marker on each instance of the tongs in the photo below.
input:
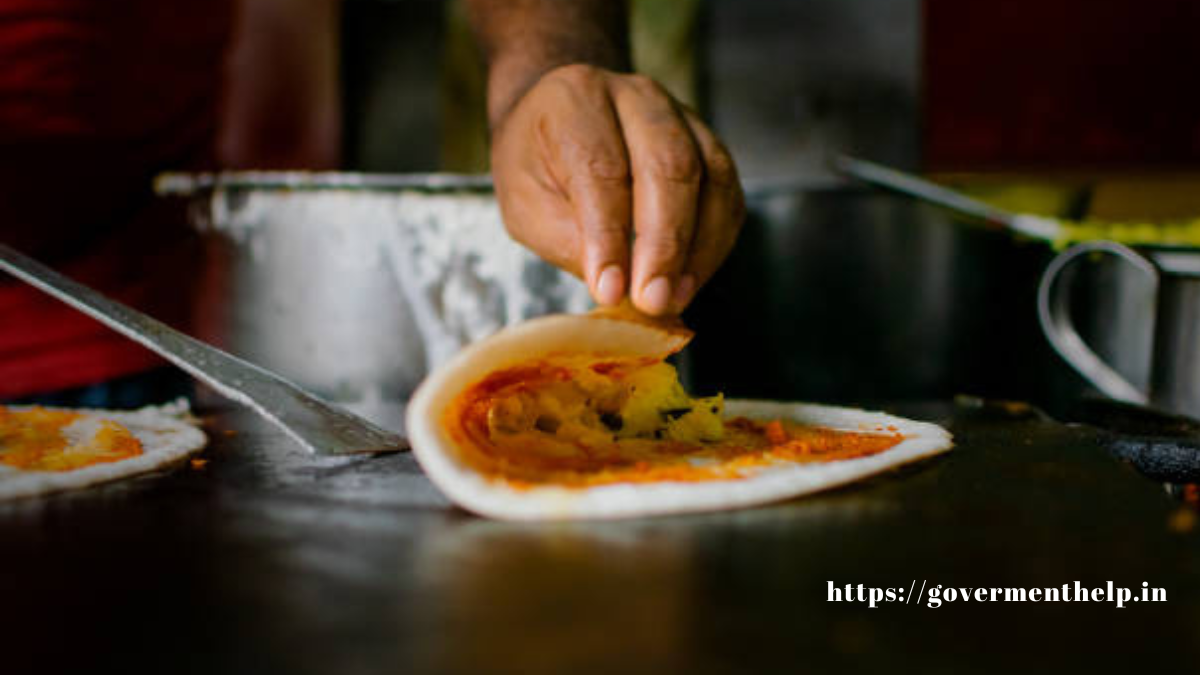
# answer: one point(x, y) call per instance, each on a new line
point(318, 426)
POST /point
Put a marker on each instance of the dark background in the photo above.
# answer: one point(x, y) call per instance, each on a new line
point(941, 85)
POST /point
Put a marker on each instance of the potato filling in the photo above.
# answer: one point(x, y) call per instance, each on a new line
point(586, 421)
point(610, 401)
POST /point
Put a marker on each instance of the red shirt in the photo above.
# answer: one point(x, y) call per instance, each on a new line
point(96, 97)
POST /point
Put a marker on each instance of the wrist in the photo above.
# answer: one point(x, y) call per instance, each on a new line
point(525, 39)
point(512, 75)
point(510, 80)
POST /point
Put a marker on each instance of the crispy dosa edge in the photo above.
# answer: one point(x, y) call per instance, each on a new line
point(618, 333)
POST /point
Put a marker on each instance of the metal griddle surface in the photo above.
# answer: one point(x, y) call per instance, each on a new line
point(267, 560)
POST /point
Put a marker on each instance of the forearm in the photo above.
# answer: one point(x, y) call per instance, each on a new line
point(524, 39)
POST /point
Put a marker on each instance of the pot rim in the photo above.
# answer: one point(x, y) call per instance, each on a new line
point(189, 184)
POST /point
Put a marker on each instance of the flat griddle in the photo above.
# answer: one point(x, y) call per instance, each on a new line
point(268, 560)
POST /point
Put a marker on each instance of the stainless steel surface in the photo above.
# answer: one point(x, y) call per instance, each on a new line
point(190, 184)
point(1172, 290)
point(1175, 369)
point(319, 427)
point(1054, 299)
point(840, 292)
point(1113, 310)
point(912, 186)
point(355, 286)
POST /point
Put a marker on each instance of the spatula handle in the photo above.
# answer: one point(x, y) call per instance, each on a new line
point(912, 186)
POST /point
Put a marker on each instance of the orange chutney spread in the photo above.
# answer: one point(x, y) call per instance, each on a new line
point(39, 439)
point(578, 422)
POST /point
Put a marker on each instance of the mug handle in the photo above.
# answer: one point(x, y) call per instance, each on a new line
point(1053, 314)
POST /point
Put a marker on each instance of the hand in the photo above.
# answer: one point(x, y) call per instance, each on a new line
point(606, 176)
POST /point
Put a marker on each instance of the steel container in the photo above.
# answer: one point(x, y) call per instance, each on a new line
point(354, 286)
point(1164, 335)
point(837, 292)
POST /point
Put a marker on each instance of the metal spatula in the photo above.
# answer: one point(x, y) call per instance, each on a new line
point(321, 428)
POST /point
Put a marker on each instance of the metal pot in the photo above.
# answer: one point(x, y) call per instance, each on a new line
point(837, 292)
point(354, 286)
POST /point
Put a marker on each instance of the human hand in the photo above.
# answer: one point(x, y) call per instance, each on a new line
point(606, 176)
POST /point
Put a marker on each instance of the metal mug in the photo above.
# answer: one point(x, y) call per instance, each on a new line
point(1174, 276)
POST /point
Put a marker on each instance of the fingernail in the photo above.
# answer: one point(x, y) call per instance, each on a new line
point(610, 287)
point(656, 296)
point(684, 291)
